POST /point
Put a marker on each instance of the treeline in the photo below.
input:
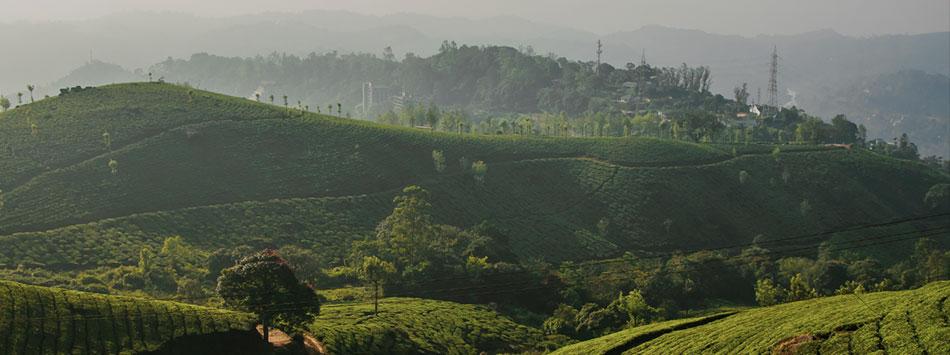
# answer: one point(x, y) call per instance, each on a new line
point(786, 126)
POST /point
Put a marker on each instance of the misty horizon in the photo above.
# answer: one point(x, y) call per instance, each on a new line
point(850, 18)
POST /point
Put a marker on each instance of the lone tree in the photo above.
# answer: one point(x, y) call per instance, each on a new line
point(4, 103)
point(479, 171)
point(30, 89)
point(19, 98)
point(438, 158)
point(107, 140)
point(375, 271)
point(264, 284)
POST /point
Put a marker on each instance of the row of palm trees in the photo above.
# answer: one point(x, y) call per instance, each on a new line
point(5, 104)
point(339, 106)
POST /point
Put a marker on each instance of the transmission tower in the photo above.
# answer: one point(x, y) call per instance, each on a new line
point(643, 57)
point(773, 79)
point(600, 51)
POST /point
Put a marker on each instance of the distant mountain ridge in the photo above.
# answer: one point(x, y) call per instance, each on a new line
point(140, 39)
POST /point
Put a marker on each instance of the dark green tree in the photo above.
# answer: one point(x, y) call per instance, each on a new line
point(266, 285)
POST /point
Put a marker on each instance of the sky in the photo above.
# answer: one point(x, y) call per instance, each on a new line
point(743, 17)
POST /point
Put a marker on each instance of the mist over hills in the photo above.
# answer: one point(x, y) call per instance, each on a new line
point(814, 67)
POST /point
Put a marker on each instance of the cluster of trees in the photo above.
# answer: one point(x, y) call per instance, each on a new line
point(787, 125)
point(412, 255)
point(668, 288)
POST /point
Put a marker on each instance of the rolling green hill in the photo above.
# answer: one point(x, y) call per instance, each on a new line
point(417, 326)
point(40, 320)
point(901, 322)
point(221, 171)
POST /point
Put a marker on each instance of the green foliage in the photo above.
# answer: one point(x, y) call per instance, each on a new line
point(767, 293)
point(40, 320)
point(799, 289)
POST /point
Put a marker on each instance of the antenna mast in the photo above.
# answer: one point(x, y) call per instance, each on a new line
point(773, 79)
point(600, 51)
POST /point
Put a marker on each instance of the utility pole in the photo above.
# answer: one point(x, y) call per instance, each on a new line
point(773, 79)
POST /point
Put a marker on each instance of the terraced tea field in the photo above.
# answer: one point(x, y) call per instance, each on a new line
point(899, 322)
point(40, 320)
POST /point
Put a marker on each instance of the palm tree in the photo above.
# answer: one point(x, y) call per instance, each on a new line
point(285, 100)
point(30, 88)
point(339, 108)
point(19, 98)
point(272, 99)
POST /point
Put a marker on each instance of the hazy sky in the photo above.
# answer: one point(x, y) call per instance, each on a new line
point(748, 17)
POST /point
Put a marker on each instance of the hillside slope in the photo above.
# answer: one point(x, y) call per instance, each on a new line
point(220, 170)
point(41, 320)
point(902, 322)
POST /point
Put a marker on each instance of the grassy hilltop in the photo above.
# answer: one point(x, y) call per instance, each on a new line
point(220, 170)
point(901, 322)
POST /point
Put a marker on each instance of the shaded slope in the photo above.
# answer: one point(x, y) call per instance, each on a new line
point(180, 148)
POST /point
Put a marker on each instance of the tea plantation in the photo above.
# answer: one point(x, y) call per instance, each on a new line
point(417, 326)
point(223, 171)
point(897, 322)
point(40, 320)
